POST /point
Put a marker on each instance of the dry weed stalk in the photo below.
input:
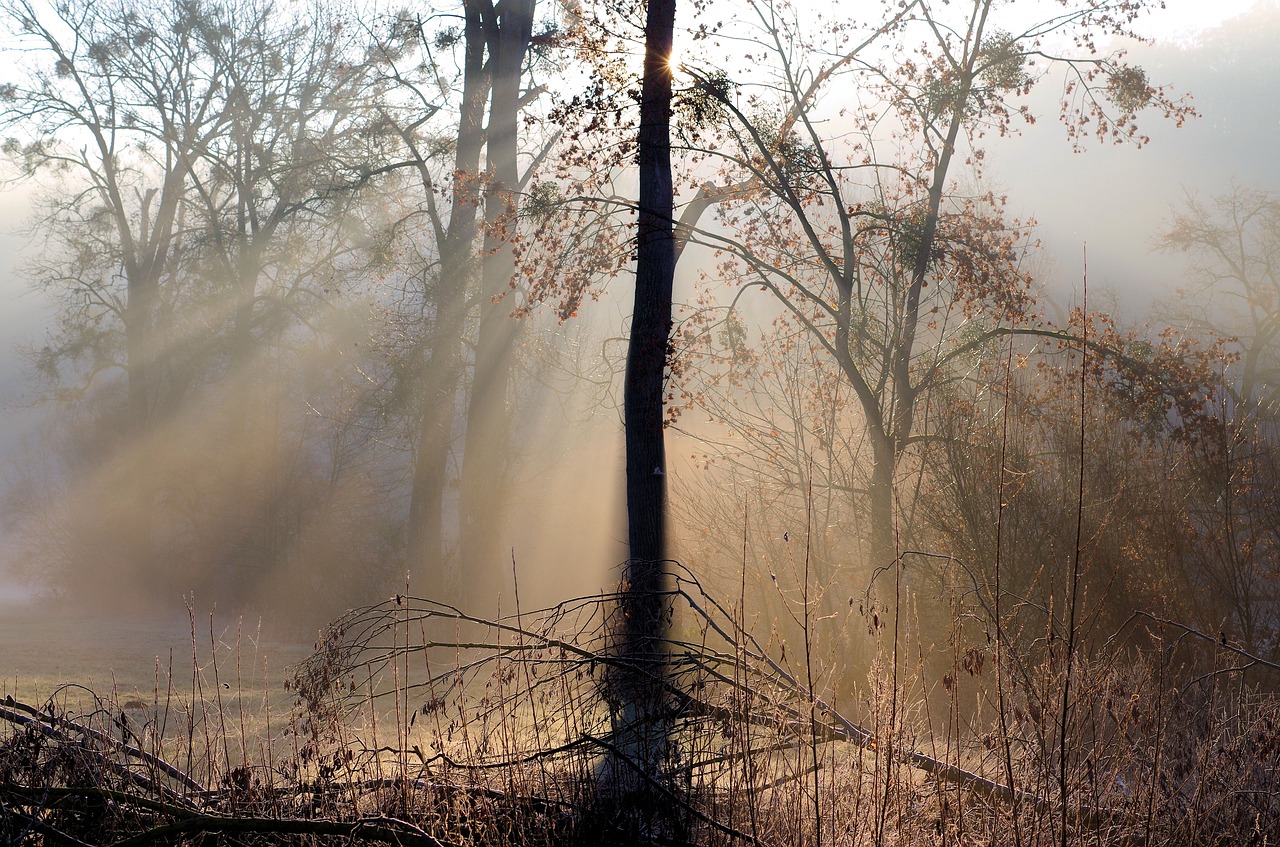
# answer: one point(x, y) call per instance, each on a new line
point(498, 725)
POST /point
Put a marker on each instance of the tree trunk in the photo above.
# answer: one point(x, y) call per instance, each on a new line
point(140, 353)
point(145, 256)
point(140, 491)
point(651, 315)
point(881, 508)
point(641, 739)
point(429, 568)
point(486, 449)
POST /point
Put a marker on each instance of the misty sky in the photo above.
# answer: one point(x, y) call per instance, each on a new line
point(22, 322)
point(1115, 199)
point(1112, 199)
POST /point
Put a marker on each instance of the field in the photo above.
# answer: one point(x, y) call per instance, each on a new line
point(45, 648)
point(412, 723)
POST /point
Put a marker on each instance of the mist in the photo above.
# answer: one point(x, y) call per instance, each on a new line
point(297, 364)
point(1116, 200)
point(318, 330)
point(276, 473)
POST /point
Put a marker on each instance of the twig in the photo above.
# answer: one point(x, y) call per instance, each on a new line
point(12, 711)
point(381, 829)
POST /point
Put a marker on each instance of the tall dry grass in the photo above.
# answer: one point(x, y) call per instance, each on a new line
point(415, 723)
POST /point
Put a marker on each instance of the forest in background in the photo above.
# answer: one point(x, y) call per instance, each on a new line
point(337, 318)
point(317, 283)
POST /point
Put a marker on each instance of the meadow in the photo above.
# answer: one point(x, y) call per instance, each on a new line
point(413, 723)
point(44, 647)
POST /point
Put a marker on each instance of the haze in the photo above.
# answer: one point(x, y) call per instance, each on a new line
point(560, 529)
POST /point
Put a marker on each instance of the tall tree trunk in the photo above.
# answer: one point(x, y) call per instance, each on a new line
point(651, 315)
point(140, 488)
point(140, 353)
point(642, 727)
point(486, 448)
point(901, 417)
point(884, 546)
point(145, 257)
point(429, 568)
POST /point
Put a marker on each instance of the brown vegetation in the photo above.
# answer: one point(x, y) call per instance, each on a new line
point(418, 724)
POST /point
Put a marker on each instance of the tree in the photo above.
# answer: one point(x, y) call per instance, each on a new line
point(119, 104)
point(436, 384)
point(467, 334)
point(1233, 246)
point(1233, 243)
point(641, 737)
point(125, 102)
point(509, 33)
point(878, 259)
point(270, 195)
point(201, 161)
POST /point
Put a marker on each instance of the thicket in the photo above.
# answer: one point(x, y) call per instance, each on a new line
point(414, 723)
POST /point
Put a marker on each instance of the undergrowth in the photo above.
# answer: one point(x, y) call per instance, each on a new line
point(415, 723)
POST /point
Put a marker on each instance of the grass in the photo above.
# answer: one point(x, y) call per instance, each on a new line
point(46, 647)
point(415, 723)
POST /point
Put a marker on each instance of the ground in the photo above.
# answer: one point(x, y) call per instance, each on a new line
point(43, 647)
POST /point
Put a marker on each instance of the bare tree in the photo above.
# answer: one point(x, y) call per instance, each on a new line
point(437, 384)
point(508, 27)
point(862, 235)
point(641, 735)
point(1233, 245)
point(200, 161)
point(119, 103)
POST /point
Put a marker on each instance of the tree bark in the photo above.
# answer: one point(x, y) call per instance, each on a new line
point(641, 739)
point(429, 568)
point(485, 489)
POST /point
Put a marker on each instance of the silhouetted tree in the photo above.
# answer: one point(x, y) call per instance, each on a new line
point(508, 27)
point(1233, 512)
point(641, 738)
point(199, 162)
point(118, 104)
point(448, 293)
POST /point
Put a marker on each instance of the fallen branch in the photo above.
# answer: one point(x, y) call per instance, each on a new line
point(382, 830)
point(52, 726)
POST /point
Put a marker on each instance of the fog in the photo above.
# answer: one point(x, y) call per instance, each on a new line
point(275, 471)
point(1117, 199)
point(20, 326)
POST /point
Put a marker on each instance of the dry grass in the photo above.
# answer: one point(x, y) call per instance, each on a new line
point(415, 723)
point(46, 647)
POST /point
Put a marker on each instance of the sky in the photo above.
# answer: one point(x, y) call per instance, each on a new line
point(1112, 201)
point(1178, 21)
